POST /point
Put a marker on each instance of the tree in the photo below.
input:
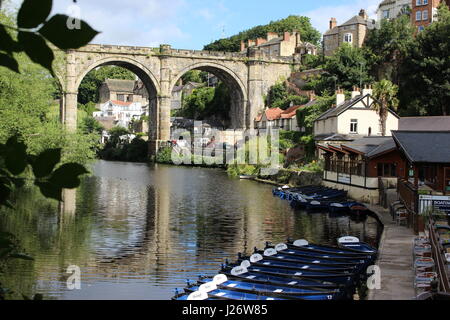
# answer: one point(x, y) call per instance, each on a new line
point(386, 94)
point(16, 162)
point(346, 68)
point(425, 87)
point(386, 48)
point(289, 24)
point(280, 96)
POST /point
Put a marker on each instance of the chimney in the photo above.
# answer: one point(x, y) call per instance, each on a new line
point(271, 35)
point(333, 23)
point(340, 97)
point(363, 14)
point(356, 92)
point(367, 90)
point(260, 41)
point(287, 36)
point(242, 46)
point(311, 95)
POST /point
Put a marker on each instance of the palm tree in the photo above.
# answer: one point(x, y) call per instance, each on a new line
point(386, 94)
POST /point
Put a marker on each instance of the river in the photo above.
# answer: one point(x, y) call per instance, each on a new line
point(138, 231)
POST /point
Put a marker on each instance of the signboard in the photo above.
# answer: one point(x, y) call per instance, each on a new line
point(437, 203)
point(344, 178)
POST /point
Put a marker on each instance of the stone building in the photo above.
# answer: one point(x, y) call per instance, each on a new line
point(424, 12)
point(123, 90)
point(286, 45)
point(391, 9)
point(352, 32)
point(181, 91)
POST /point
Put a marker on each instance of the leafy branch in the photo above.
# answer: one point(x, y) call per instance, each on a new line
point(34, 29)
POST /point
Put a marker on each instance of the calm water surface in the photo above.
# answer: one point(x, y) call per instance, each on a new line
point(138, 231)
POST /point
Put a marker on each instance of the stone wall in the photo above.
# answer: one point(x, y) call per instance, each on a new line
point(296, 178)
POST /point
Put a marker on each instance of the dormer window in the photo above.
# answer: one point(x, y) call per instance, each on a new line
point(348, 37)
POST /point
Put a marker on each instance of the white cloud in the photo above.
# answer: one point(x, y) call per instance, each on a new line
point(205, 14)
point(131, 22)
point(320, 17)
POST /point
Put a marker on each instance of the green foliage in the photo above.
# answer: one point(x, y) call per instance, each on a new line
point(310, 146)
point(306, 116)
point(195, 76)
point(289, 139)
point(346, 68)
point(164, 155)
point(242, 170)
point(135, 151)
point(90, 125)
point(425, 85)
point(289, 24)
point(207, 102)
point(280, 97)
point(386, 48)
point(312, 62)
point(88, 92)
point(34, 29)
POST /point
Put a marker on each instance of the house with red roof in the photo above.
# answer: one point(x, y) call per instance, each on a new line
point(276, 118)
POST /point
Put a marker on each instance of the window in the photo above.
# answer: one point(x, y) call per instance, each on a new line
point(370, 131)
point(348, 37)
point(425, 15)
point(386, 14)
point(418, 15)
point(419, 2)
point(130, 98)
point(425, 2)
point(354, 126)
point(121, 97)
point(387, 169)
point(421, 28)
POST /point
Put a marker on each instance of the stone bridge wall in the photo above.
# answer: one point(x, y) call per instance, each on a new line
point(249, 77)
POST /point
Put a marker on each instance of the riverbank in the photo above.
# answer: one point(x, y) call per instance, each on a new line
point(395, 260)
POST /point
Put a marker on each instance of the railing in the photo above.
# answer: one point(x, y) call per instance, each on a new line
point(438, 256)
point(408, 194)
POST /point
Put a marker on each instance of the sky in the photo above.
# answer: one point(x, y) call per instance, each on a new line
point(191, 24)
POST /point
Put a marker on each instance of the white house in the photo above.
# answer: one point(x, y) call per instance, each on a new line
point(352, 119)
point(122, 112)
point(391, 9)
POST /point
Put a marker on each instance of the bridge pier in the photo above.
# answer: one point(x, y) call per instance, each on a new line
point(68, 112)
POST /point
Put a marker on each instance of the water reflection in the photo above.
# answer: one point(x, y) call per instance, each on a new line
point(137, 232)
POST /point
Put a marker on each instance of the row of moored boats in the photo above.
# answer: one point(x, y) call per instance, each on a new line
point(289, 271)
point(318, 198)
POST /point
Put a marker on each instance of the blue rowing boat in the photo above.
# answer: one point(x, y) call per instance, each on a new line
point(341, 278)
point(259, 260)
point(272, 254)
point(256, 277)
point(354, 244)
point(343, 250)
point(271, 290)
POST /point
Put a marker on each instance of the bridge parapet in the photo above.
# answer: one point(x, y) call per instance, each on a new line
point(168, 51)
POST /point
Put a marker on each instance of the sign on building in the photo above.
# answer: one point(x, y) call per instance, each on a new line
point(436, 203)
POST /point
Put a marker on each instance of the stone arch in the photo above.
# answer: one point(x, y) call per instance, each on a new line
point(148, 78)
point(238, 90)
point(134, 66)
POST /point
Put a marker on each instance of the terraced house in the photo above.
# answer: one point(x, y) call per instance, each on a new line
point(424, 12)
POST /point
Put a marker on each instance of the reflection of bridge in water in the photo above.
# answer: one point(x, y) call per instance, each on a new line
point(151, 239)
